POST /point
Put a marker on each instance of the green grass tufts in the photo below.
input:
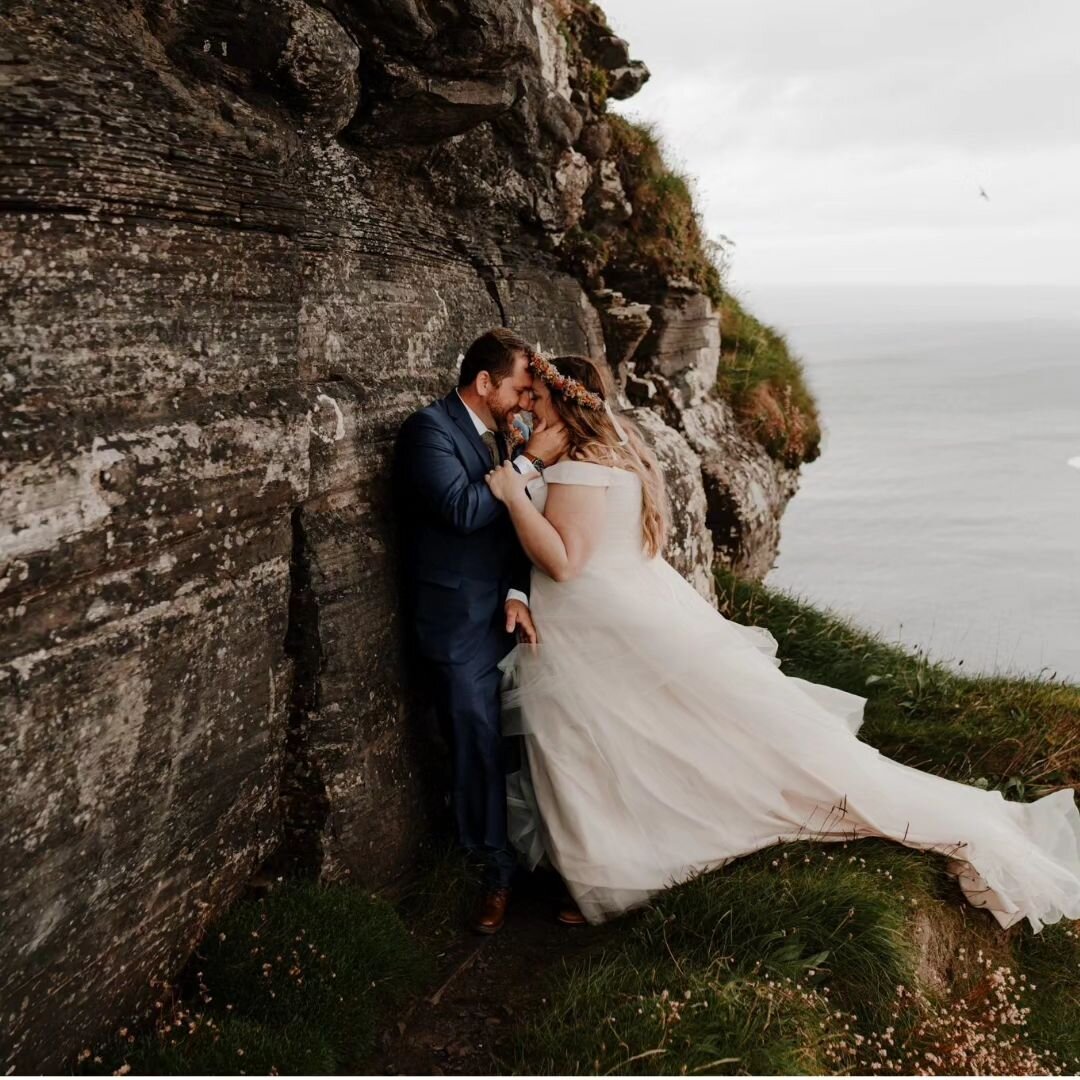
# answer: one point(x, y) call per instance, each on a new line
point(292, 982)
point(1051, 962)
point(229, 1046)
point(664, 236)
point(611, 1018)
point(1020, 735)
point(441, 894)
point(835, 913)
point(772, 942)
point(310, 953)
point(766, 385)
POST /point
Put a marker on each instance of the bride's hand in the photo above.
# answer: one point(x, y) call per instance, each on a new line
point(548, 442)
point(507, 484)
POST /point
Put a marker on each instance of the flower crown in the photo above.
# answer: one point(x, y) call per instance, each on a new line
point(569, 388)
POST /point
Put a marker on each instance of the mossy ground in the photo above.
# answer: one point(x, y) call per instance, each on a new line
point(295, 981)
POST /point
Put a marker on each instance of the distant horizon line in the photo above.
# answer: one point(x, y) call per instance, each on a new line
point(804, 284)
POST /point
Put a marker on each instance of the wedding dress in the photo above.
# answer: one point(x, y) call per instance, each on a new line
point(661, 739)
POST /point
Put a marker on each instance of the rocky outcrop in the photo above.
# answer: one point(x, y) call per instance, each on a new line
point(745, 489)
point(239, 243)
point(668, 354)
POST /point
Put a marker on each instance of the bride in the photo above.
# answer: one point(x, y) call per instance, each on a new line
point(661, 739)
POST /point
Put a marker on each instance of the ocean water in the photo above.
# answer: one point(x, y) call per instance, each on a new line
point(945, 508)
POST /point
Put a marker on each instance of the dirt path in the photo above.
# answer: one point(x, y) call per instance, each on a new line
point(484, 987)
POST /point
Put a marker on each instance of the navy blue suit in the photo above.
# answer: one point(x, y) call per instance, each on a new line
point(461, 555)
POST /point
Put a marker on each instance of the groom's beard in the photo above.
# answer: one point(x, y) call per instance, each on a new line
point(504, 421)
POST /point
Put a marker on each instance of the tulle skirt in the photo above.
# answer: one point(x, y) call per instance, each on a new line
point(662, 739)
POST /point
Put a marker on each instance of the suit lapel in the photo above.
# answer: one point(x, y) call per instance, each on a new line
point(460, 415)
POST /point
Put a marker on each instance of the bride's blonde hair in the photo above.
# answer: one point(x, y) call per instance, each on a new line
point(594, 437)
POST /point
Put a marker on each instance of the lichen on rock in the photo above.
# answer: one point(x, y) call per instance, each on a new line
point(240, 241)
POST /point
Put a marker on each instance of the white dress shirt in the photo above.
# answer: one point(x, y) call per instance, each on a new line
point(521, 463)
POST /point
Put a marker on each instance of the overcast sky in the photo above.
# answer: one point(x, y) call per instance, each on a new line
point(846, 140)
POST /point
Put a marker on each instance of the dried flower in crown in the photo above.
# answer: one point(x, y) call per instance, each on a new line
point(563, 385)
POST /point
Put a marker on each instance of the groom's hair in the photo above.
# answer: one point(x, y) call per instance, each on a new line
point(492, 352)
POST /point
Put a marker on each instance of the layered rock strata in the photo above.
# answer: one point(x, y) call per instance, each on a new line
point(239, 242)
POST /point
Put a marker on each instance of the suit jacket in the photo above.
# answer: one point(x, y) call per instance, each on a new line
point(460, 551)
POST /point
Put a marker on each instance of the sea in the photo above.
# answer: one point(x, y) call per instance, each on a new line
point(944, 510)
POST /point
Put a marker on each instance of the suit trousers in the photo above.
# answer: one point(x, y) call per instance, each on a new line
point(467, 703)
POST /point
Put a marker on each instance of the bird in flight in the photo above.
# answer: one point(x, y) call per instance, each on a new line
point(982, 192)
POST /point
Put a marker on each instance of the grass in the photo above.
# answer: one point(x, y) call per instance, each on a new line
point(613, 1018)
point(1019, 734)
point(293, 982)
point(440, 897)
point(767, 948)
point(664, 238)
point(1051, 960)
point(227, 1046)
point(766, 386)
point(811, 958)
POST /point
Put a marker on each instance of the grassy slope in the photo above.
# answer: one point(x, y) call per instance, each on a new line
point(1022, 735)
point(789, 960)
point(294, 982)
point(766, 386)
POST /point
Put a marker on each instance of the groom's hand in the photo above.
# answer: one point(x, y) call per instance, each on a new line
point(519, 618)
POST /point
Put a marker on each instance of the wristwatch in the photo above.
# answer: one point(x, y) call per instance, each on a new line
point(538, 463)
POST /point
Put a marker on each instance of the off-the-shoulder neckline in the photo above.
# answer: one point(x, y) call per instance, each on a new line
point(598, 464)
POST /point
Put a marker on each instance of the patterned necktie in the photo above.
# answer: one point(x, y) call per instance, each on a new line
point(493, 447)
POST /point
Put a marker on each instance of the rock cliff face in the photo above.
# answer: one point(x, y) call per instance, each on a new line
point(239, 242)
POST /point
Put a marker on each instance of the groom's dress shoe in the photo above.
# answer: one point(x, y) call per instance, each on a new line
point(491, 911)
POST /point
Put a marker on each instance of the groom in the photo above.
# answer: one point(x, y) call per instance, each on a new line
point(467, 580)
